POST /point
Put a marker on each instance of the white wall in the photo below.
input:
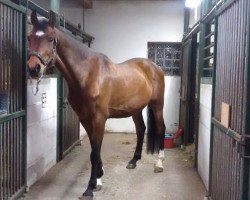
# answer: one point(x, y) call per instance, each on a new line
point(122, 30)
point(204, 132)
point(172, 103)
point(41, 133)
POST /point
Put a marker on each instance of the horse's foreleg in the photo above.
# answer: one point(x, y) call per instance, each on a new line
point(100, 173)
point(95, 130)
point(140, 131)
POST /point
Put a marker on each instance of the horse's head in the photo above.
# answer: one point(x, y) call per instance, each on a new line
point(42, 44)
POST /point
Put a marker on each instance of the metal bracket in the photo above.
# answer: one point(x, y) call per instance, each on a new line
point(240, 139)
point(65, 103)
point(242, 144)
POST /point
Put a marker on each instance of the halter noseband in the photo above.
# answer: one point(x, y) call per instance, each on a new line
point(39, 56)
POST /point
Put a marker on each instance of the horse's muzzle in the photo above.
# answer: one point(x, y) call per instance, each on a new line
point(35, 71)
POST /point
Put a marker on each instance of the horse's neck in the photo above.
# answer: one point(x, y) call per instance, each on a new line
point(70, 55)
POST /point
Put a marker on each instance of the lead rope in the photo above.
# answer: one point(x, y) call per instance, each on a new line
point(36, 87)
point(34, 92)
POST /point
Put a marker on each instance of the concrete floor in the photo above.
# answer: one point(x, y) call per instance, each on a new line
point(69, 178)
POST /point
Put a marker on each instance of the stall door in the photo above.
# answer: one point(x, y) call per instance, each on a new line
point(70, 124)
point(229, 178)
point(188, 101)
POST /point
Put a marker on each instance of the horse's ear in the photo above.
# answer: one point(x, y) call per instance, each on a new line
point(33, 18)
point(52, 19)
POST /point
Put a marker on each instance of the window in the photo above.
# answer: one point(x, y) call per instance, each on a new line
point(209, 50)
point(167, 55)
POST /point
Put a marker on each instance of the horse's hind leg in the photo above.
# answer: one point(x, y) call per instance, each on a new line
point(140, 131)
point(157, 109)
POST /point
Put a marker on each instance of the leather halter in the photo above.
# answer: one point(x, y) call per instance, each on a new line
point(39, 56)
point(44, 62)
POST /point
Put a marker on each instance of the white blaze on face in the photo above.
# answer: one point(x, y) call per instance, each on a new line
point(40, 33)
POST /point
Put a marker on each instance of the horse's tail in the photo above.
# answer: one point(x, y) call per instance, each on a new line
point(151, 129)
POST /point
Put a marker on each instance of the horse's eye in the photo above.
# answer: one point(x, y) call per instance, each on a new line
point(51, 39)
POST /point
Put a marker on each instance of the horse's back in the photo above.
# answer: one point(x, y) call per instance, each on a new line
point(152, 72)
point(134, 85)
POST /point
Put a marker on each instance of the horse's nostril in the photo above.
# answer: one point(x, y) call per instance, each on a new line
point(38, 68)
point(34, 72)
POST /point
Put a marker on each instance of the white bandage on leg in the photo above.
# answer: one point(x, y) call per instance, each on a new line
point(161, 155)
point(159, 165)
point(99, 182)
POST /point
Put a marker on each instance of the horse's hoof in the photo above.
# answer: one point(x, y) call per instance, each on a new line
point(87, 195)
point(131, 166)
point(158, 169)
point(86, 198)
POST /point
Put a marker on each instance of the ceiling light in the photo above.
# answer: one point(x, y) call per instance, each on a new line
point(192, 3)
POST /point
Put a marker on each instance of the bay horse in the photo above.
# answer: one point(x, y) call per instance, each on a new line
point(100, 89)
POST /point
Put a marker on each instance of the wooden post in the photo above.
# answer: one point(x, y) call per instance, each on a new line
point(55, 6)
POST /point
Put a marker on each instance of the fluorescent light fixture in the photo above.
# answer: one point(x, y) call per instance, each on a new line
point(192, 3)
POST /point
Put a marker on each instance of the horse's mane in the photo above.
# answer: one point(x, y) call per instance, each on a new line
point(82, 49)
point(78, 46)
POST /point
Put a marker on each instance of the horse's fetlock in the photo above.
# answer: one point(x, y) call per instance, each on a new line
point(92, 183)
point(137, 157)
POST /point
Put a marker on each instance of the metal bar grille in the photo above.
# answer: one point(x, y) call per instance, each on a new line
point(227, 171)
point(12, 104)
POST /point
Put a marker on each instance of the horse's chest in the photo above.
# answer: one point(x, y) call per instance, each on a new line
point(84, 107)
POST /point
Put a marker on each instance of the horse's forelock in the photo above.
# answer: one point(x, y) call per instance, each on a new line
point(42, 24)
